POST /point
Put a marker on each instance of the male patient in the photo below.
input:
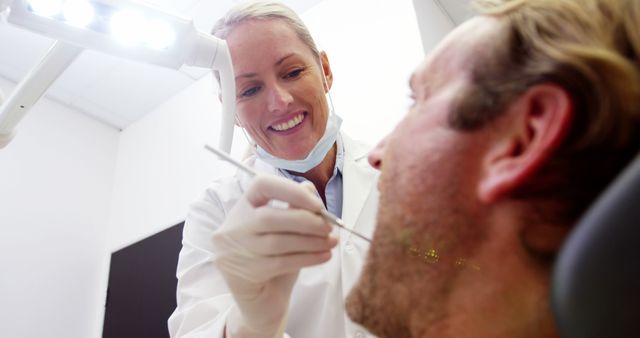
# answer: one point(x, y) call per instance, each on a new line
point(520, 118)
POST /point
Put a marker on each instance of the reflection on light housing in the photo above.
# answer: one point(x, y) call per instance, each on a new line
point(158, 38)
point(46, 7)
point(78, 12)
point(125, 26)
point(158, 34)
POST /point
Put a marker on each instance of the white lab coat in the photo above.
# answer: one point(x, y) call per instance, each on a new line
point(317, 304)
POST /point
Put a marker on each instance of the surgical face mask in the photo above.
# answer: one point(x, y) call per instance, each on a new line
point(314, 157)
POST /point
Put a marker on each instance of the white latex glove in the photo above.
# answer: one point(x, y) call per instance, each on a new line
point(261, 248)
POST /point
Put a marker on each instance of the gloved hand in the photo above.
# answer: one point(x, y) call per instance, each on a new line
point(260, 248)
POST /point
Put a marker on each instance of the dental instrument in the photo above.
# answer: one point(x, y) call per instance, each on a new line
point(324, 213)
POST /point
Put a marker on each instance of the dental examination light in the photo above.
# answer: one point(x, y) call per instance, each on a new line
point(118, 27)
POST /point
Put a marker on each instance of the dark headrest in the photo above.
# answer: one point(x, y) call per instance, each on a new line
point(595, 287)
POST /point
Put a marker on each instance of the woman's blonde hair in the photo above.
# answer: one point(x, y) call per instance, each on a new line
point(264, 10)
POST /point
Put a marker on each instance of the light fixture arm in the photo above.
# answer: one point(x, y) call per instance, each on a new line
point(190, 47)
point(32, 86)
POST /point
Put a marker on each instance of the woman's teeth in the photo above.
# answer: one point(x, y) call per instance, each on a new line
point(289, 124)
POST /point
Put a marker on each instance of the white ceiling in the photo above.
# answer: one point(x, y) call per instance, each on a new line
point(117, 91)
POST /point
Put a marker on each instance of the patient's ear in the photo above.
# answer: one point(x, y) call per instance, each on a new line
point(534, 125)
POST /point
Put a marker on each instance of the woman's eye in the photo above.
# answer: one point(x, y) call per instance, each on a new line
point(250, 92)
point(294, 73)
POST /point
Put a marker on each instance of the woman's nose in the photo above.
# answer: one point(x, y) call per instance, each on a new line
point(279, 98)
point(375, 156)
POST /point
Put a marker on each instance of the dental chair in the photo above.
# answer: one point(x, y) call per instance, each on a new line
point(595, 286)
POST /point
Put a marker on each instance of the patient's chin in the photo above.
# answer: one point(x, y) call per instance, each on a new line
point(362, 303)
point(379, 297)
point(372, 314)
point(360, 300)
point(355, 306)
point(361, 310)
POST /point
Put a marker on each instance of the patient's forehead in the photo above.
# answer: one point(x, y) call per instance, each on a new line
point(457, 52)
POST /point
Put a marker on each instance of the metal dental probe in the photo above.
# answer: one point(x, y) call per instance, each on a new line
point(324, 213)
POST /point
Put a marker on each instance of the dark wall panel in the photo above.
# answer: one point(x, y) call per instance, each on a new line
point(142, 286)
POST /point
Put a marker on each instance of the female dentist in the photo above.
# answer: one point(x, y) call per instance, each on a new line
point(240, 271)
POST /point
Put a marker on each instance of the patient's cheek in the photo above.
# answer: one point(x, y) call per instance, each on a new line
point(543, 240)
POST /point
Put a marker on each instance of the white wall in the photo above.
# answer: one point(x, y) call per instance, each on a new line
point(435, 23)
point(55, 187)
point(162, 165)
point(373, 47)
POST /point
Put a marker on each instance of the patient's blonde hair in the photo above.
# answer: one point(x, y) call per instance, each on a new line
point(591, 48)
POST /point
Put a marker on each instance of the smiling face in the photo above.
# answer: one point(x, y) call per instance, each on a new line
point(280, 91)
point(429, 221)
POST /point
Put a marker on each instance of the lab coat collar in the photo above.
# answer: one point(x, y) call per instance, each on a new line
point(358, 178)
point(259, 166)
